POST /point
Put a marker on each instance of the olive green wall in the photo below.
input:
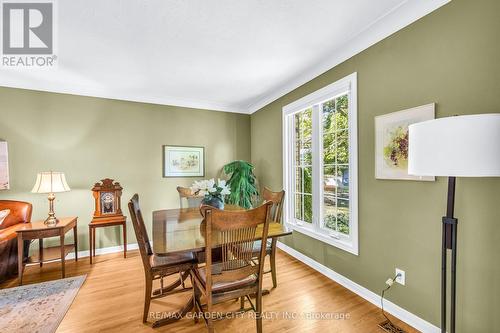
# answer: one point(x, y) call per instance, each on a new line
point(449, 57)
point(91, 138)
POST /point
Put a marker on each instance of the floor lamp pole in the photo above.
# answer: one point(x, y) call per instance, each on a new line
point(449, 242)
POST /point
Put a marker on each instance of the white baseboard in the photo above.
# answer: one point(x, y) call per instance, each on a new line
point(104, 250)
point(397, 311)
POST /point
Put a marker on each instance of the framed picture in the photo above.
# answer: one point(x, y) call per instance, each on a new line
point(391, 142)
point(4, 166)
point(183, 161)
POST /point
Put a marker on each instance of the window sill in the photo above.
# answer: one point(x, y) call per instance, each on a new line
point(343, 244)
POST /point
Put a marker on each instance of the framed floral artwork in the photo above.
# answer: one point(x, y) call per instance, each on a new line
point(391, 142)
point(183, 161)
point(4, 166)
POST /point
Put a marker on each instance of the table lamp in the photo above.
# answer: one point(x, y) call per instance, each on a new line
point(460, 146)
point(50, 182)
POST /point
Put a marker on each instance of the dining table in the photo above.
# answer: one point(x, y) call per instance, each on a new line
point(182, 230)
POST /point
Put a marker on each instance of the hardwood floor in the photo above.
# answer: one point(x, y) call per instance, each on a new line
point(111, 300)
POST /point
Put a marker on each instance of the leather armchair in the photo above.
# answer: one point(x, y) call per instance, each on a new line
point(20, 212)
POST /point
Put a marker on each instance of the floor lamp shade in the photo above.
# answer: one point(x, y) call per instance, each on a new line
point(461, 146)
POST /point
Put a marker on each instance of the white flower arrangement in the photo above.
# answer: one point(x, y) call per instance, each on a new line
point(208, 187)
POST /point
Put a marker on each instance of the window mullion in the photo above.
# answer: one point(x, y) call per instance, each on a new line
point(316, 171)
point(291, 161)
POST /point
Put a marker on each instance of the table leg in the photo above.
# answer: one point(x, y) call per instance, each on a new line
point(63, 259)
point(124, 240)
point(90, 244)
point(20, 257)
point(40, 251)
point(272, 258)
point(75, 237)
point(93, 242)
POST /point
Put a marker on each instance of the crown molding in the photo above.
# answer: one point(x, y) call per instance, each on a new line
point(396, 19)
point(165, 100)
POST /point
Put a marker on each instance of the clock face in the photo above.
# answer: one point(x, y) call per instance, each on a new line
point(108, 203)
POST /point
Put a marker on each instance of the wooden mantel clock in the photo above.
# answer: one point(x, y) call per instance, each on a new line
point(107, 197)
point(108, 211)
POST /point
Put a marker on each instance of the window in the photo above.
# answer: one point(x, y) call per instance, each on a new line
point(320, 164)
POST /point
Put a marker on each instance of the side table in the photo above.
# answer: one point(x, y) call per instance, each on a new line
point(39, 230)
point(101, 222)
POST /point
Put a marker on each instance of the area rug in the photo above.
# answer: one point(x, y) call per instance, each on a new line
point(37, 307)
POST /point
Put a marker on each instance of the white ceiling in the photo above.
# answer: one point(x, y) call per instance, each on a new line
point(224, 55)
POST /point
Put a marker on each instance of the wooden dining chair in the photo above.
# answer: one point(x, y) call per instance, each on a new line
point(158, 267)
point(193, 200)
point(236, 275)
point(277, 199)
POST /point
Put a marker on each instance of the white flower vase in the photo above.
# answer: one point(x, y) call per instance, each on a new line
point(213, 201)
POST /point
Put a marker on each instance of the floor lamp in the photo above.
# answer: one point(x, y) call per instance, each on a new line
point(461, 146)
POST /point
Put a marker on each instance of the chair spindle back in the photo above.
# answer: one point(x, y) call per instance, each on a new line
point(140, 231)
point(193, 200)
point(235, 233)
point(277, 199)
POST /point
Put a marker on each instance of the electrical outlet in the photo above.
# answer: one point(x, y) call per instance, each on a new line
point(401, 279)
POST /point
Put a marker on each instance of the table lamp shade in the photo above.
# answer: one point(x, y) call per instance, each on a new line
point(461, 146)
point(50, 182)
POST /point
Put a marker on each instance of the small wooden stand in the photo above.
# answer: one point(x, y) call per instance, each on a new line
point(39, 230)
point(107, 212)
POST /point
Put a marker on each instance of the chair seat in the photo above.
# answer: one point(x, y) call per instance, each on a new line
point(256, 248)
point(221, 286)
point(174, 259)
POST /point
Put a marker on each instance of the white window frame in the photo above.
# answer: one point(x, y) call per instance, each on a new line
point(349, 242)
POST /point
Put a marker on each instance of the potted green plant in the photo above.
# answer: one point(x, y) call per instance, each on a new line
point(242, 183)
